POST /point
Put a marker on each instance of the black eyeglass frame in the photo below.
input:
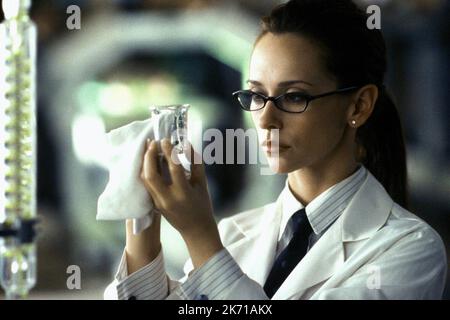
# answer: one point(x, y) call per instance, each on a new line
point(307, 97)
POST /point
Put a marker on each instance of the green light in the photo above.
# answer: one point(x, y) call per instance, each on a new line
point(88, 95)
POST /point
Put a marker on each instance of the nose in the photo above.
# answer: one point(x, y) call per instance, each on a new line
point(269, 117)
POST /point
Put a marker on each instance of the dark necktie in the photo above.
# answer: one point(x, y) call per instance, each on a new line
point(291, 255)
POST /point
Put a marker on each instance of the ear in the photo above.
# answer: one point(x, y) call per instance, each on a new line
point(363, 103)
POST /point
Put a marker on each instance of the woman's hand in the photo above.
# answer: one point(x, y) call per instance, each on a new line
point(185, 203)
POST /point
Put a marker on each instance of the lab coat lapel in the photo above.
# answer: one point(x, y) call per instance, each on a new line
point(366, 213)
point(256, 251)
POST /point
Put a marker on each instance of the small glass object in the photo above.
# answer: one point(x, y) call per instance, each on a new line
point(171, 122)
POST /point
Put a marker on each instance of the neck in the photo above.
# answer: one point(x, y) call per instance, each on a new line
point(308, 182)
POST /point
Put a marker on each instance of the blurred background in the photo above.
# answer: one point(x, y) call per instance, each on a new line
point(130, 54)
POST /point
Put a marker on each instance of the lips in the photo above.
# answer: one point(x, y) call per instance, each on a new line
point(271, 146)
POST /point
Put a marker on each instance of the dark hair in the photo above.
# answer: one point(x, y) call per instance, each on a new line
point(355, 55)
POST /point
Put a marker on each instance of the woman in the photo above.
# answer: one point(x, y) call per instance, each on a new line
point(339, 229)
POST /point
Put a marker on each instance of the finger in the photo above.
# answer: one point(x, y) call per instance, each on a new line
point(175, 167)
point(198, 175)
point(146, 145)
point(152, 194)
point(152, 177)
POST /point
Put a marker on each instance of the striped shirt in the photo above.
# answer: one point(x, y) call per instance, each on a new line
point(221, 271)
point(322, 211)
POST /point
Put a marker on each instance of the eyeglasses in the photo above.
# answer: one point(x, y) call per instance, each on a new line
point(292, 102)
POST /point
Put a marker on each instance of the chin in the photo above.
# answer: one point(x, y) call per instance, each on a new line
point(280, 165)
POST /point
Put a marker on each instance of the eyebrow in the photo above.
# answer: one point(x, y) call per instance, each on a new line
point(281, 84)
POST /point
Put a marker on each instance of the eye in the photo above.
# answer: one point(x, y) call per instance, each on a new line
point(295, 98)
point(250, 100)
point(257, 99)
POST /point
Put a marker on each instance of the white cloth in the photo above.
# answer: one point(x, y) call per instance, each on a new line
point(125, 196)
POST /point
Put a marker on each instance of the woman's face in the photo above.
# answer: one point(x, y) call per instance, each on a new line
point(310, 138)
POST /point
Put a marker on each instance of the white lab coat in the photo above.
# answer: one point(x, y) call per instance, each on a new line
point(374, 250)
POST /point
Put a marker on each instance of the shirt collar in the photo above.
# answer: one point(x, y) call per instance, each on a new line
point(326, 207)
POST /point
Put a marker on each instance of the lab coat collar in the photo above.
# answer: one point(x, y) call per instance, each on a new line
point(366, 213)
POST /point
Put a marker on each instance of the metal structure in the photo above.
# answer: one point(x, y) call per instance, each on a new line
point(17, 150)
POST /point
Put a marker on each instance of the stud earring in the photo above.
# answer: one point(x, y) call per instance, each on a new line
point(353, 123)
